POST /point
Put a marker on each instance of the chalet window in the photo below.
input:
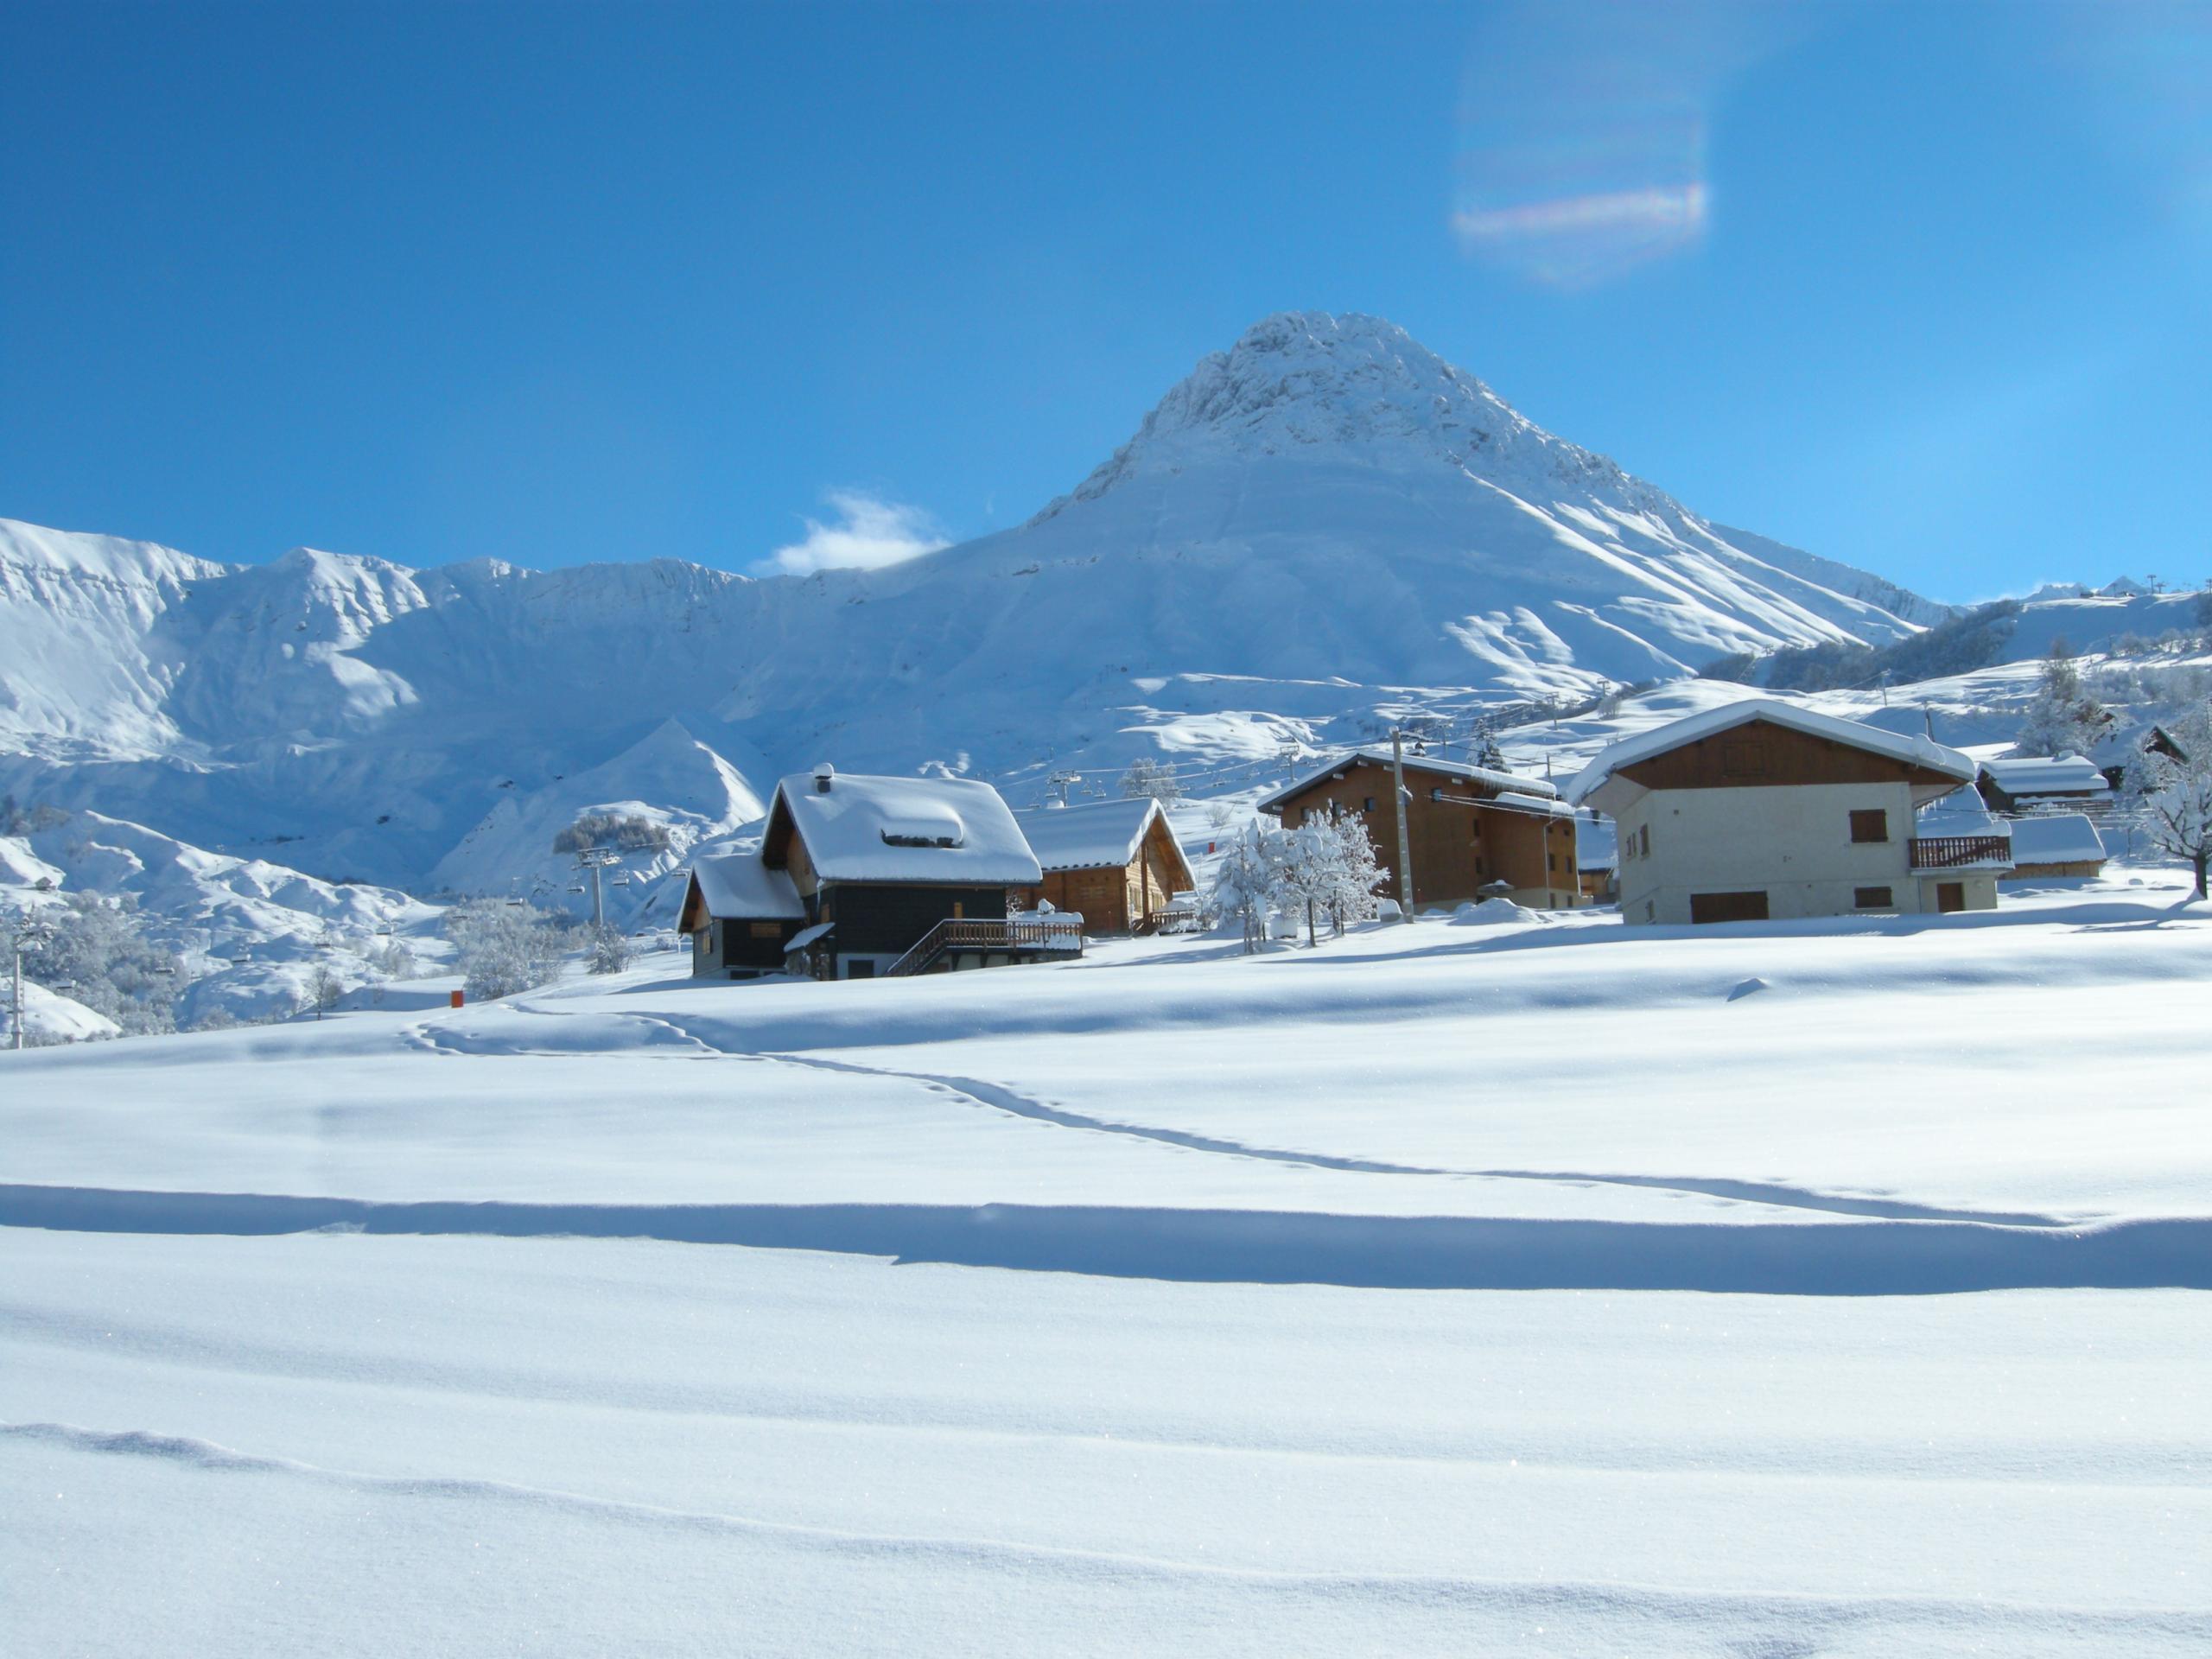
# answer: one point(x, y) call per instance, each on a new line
point(1871, 825)
point(1643, 842)
point(1436, 793)
point(1742, 759)
point(1871, 897)
point(1478, 863)
point(764, 930)
point(1370, 807)
point(1551, 861)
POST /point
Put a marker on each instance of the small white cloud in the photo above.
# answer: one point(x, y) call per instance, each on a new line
point(868, 534)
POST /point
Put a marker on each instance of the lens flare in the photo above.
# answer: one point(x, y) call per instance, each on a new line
point(1582, 136)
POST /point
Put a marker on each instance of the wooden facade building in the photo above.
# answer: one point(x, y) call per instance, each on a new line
point(1116, 863)
point(1473, 831)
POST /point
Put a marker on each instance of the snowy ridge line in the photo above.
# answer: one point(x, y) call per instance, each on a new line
point(1695, 1612)
point(1838, 1258)
point(1770, 1194)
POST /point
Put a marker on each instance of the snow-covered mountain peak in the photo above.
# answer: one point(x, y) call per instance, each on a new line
point(1318, 386)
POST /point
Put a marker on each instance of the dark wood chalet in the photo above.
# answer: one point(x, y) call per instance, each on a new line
point(903, 875)
point(741, 916)
point(1473, 830)
point(1116, 863)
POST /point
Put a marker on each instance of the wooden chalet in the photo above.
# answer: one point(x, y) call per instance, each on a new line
point(904, 875)
point(2023, 784)
point(741, 916)
point(2055, 844)
point(1115, 863)
point(1473, 831)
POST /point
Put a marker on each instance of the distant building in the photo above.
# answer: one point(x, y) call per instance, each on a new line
point(1761, 809)
point(1596, 857)
point(2024, 783)
point(1116, 862)
point(1473, 830)
point(2055, 844)
point(2120, 746)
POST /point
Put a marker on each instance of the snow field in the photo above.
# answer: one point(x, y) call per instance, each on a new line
point(390, 1445)
point(1165, 1299)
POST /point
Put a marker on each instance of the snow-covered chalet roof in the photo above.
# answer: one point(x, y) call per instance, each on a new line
point(2062, 838)
point(2064, 774)
point(1710, 722)
point(1430, 767)
point(1961, 812)
point(740, 885)
point(1088, 838)
point(951, 830)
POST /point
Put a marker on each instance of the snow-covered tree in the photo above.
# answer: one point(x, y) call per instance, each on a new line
point(1355, 874)
point(397, 960)
point(1482, 743)
point(1247, 884)
point(1147, 776)
point(2172, 798)
point(2062, 718)
point(96, 952)
point(1327, 867)
point(504, 948)
point(606, 949)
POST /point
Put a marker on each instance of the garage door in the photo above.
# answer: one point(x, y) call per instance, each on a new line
point(1728, 906)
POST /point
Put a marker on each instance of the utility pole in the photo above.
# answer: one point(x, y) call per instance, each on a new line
point(1398, 805)
point(35, 932)
point(596, 859)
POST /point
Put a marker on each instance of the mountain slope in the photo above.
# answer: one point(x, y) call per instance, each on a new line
point(1313, 528)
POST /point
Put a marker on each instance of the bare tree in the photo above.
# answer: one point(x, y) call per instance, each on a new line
point(324, 989)
point(2172, 795)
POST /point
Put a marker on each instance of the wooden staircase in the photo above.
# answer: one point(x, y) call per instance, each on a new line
point(957, 934)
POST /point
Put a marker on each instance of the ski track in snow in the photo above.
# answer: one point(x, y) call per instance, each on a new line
point(999, 1097)
point(1804, 1618)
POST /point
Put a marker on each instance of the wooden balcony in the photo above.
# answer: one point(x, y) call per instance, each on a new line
point(1955, 852)
point(1026, 939)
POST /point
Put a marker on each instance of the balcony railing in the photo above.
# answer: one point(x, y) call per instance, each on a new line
point(1950, 852)
point(951, 936)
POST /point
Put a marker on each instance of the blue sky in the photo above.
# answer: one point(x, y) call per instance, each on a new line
point(1924, 288)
